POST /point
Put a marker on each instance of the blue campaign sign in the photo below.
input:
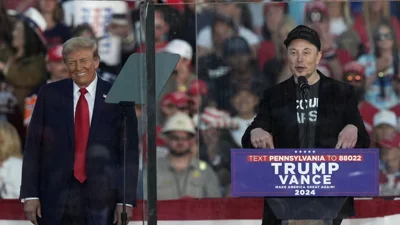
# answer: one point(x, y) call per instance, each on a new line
point(304, 172)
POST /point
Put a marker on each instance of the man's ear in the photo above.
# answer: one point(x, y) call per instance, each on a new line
point(319, 56)
point(96, 62)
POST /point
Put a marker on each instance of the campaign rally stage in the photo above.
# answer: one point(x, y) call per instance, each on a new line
point(305, 172)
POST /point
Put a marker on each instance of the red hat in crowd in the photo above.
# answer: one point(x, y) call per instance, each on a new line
point(393, 142)
point(354, 67)
point(197, 87)
point(316, 5)
point(178, 98)
point(215, 118)
point(54, 54)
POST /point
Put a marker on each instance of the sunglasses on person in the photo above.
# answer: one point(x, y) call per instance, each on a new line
point(353, 77)
point(383, 36)
point(177, 138)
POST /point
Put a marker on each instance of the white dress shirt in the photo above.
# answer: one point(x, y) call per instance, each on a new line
point(90, 98)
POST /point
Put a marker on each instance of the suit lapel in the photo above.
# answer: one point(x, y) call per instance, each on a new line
point(69, 105)
point(97, 109)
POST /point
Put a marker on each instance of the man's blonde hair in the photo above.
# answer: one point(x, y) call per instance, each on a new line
point(78, 43)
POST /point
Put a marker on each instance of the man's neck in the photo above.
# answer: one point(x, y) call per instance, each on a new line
point(241, 75)
point(182, 76)
point(49, 20)
point(180, 163)
point(387, 52)
point(314, 78)
point(247, 115)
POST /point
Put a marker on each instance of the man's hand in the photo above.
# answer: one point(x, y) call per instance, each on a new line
point(117, 214)
point(32, 209)
point(347, 137)
point(261, 138)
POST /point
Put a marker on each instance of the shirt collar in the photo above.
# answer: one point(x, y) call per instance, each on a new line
point(91, 88)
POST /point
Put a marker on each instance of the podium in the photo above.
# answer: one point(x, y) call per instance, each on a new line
point(307, 211)
point(306, 186)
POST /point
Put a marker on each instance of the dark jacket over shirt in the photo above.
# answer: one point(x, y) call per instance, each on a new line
point(337, 107)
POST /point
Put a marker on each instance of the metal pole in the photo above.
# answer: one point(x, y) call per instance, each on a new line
point(151, 116)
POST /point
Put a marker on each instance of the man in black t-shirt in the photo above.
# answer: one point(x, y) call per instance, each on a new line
point(325, 116)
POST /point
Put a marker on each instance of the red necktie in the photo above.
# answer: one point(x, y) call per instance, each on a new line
point(82, 125)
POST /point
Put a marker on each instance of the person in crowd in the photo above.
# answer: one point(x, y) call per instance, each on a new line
point(189, 24)
point(341, 26)
point(9, 110)
point(84, 30)
point(56, 32)
point(161, 30)
point(274, 13)
point(243, 73)
point(389, 184)
point(59, 165)
point(368, 21)
point(183, 73)
point(198, 98)
point(179, 174)
point(385, 127)
point(57, 71)
point(245, 103)
point(396, 109)
point(340, 17)
point(205, 42)
point(174, 102)
point(273, 64)
point(354, 74)
point(121, 27)
point(281, 121)
point(10, 161)
point(381, 66)
point(272, 31)
point(317, 17)
point(25, 68)
point(215, 142)
point(5, 34)
point(239, 12)
point(170, 104)
point(212, 65)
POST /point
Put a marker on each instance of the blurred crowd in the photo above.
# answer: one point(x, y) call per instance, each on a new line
point(230, 53)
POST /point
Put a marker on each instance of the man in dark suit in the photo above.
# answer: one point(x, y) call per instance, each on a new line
point(72, 166)
point(328, 117)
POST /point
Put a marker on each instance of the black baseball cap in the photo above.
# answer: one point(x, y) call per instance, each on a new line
point(236, 46)
point(305, 33)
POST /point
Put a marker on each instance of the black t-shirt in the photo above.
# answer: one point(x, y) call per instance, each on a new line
point(309, 107)
point(211, 67)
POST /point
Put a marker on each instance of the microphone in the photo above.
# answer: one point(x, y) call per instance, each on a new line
point(303, 84)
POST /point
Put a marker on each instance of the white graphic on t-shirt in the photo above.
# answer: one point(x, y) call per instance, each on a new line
point(311, 105)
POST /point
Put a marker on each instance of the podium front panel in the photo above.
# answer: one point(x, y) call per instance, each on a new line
point(305, 172)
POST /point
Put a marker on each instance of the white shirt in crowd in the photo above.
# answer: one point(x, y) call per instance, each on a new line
point(10, 178)
point(337, 26)
point(237, 134)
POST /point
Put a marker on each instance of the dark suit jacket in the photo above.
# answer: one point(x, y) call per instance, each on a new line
point(49, 152)
point(337, 107)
